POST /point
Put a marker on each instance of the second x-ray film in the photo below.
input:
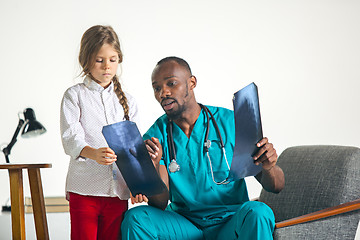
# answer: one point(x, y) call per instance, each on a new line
point(248, 131)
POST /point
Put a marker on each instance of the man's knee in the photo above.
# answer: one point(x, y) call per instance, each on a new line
point(259, 210)
point(137, 224)
point(135, 216)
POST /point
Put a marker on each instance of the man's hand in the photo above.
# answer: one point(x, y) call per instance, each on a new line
point(155, 150)
point(271, 177)
point(266, 155)
point(139, 198)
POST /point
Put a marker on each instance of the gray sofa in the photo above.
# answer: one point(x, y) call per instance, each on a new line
point(316, 178)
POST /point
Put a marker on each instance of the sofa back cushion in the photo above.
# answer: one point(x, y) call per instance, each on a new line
point(316, 177)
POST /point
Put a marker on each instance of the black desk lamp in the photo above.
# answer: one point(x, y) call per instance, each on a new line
point(31, 128)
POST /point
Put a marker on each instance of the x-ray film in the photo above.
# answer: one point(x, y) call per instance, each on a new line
point(248, 131)
point(133, 159)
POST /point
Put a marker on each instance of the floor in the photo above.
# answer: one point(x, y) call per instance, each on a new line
point(58, 225)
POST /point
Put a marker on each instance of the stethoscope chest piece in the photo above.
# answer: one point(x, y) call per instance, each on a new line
point(174, 166)
point(207, 144)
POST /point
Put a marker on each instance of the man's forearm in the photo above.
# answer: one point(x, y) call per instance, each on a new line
point(272, 180)
point(161, 200)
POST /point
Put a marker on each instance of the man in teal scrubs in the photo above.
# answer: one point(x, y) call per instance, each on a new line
point(200, 207)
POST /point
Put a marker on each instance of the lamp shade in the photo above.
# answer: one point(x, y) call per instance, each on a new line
point(32, 126)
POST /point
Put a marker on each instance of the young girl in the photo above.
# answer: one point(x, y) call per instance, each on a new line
point(97, 193)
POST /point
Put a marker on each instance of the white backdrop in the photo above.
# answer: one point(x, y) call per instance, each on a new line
point(304, 55)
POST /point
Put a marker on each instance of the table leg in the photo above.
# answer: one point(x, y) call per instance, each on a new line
point(17, 204)
point(38, 203)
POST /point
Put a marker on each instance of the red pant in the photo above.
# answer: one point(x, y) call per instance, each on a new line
point(96, 218)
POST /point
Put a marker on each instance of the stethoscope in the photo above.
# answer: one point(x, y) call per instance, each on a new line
point(174, 166)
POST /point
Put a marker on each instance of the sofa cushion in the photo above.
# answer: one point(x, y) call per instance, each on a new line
point(316, 177)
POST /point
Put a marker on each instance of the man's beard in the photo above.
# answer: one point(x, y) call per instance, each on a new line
point(173, 115)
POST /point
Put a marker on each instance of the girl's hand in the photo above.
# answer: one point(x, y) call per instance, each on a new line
point(103, 156)
point(155, 150)
point(139, 198)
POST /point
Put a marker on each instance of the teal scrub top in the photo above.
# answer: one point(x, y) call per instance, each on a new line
point(192, 190)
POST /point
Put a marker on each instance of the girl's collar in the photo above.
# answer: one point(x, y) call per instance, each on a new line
point(92, 85)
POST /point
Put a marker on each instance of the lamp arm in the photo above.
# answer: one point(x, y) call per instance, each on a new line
point(8, 148)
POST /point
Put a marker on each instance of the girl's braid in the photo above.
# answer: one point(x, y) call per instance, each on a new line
point(121, 95)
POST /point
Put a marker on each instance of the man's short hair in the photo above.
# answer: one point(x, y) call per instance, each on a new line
point(178, 60)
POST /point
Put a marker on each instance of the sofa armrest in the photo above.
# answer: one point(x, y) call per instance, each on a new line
point(342, 208)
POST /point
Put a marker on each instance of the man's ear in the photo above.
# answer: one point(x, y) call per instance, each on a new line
point(193, 82)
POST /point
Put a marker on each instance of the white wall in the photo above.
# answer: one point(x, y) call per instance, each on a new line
point(304, 55)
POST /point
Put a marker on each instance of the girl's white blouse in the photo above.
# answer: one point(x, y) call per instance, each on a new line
point(87, 107)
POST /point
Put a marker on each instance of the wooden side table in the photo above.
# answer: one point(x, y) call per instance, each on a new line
point(17, 199)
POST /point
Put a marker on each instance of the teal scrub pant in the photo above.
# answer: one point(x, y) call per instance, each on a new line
point(253, 220)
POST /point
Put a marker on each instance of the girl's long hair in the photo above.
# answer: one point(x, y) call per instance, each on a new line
point(91, 42)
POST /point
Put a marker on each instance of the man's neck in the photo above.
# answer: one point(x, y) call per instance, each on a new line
point(188, 119)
